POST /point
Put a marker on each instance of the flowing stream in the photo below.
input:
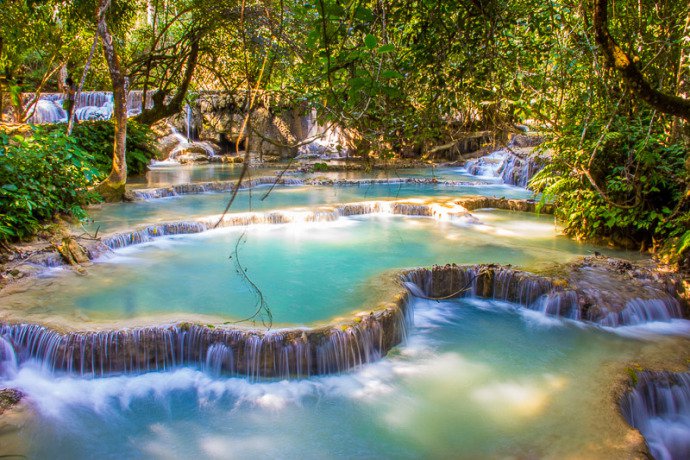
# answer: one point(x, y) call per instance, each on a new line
point(475, 378)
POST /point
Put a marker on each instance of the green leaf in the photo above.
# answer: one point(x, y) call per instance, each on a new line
point(388, 48)
point(364, 14)
point(391, 74)
point(10, 187)
point(370, 41)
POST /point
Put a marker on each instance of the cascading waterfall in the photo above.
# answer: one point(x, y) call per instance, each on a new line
point(659, 406)
point(282, 353)
point(328, 214)
point(518, 171)
point(329, 143)
point(536, 293)
point(48, 111)
point(91, 105)
point(512, 170)
point(205, 187)
point(639, 311)
point(486, 166)
point(8, 358)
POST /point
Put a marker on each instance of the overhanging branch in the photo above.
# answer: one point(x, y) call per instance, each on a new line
point(625, 65)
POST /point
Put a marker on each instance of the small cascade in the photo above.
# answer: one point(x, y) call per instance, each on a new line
point(639, 311)
point(329, 141)
point(122, 240)
point(48, 111)
point(97, 106)
point(486, 166)
point(518, 171)
point(8, 358)
point(538, 293)
point(438, 211)
point(219, 359)
point(91, 105)
point(511, 168)
point(281, 353)
point(206, 187)
point(659, 406)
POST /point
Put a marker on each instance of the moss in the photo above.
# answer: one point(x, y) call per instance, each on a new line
point(110, 191)
point(9, 398)
point(632, 373)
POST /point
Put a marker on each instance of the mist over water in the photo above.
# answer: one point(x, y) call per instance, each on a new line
point(475, 375)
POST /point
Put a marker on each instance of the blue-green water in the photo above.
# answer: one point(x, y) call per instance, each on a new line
point(306, 272)
point(477, 379)
point(121, 216)
point(163, 175)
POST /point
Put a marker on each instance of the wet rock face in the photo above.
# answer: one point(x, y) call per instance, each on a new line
point(480, 202)
point(526, 140)
point(615, 292)
point(166, 145)
point(9, 398)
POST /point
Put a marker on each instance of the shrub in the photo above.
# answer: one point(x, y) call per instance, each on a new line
point(97, 137)
point(42, 174)
point(639, 174)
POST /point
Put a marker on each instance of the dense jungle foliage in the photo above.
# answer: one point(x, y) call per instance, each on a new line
point(406, 78)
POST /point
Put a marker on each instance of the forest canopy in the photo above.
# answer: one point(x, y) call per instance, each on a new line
point(606, 83)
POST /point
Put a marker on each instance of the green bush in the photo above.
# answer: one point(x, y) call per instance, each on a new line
point(42, 174)
point(97, 137)
point(620, 179)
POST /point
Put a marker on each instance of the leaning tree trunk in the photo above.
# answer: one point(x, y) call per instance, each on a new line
point(629, 71)
point(113, 188)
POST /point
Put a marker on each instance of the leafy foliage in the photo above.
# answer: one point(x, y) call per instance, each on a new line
point(43, 174)
point(96, 137)
point(619, 183)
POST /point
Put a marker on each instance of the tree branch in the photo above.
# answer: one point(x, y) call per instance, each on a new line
point(625, 65)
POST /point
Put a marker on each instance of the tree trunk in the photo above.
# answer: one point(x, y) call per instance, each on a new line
point(113, 188)
point(625, 65)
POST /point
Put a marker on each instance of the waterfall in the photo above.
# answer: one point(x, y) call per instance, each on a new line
point(48, 111)
point(91, 105)
point(538, 293)
point(281, 353)
point(188, 121)
point(224, 186)
point(8, 358)
point(512, 170)
point(330, 141)
point(659, 406)
point(326, 214)
point(639, 311)
point(518, 171)
point(486, 166)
